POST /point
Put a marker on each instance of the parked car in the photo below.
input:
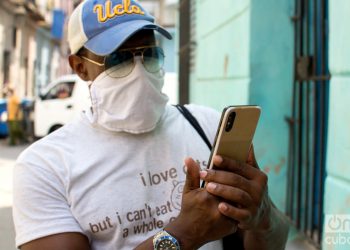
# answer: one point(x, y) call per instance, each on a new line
point(59, 102)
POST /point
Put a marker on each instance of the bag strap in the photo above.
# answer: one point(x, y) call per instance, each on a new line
point(193, 121)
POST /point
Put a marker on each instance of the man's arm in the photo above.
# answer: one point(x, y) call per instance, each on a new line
point(66, 241)
point(41, 214)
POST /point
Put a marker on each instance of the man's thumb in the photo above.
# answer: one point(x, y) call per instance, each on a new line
point(192, 175)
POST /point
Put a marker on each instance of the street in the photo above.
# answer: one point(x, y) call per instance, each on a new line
point(7, 159)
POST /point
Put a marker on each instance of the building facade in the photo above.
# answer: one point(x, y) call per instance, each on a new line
point(289, 57)
point(52, 47)
point(18, 22)
point(32, 43)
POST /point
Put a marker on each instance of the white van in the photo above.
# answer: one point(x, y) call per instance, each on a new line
point(59, 102)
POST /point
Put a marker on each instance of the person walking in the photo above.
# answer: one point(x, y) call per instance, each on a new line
point(14, 113)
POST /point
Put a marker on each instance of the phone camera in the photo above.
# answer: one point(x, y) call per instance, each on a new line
point(230, 121)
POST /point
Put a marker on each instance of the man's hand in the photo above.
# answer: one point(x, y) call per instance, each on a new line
point(199, 220)
point(242, 188)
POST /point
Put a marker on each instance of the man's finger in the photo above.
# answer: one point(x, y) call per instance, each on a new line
point(233, 195)
point(243, 216)
point(226, 178)
point(237, 167)
point(192, 175)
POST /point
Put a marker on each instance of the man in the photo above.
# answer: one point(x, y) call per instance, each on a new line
point(14, 117)
point(114, 178)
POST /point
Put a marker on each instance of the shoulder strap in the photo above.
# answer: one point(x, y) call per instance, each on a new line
point(193, 121)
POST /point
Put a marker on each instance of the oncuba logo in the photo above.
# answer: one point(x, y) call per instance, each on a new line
point(107, 11)
point(337, 223)
point(337, 230)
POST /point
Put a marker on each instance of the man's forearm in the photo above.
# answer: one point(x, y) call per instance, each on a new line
point(273, 235)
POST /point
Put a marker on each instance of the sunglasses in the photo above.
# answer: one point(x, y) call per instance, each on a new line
point(122, 62)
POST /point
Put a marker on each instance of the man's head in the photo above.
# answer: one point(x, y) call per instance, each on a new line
point(99, 27)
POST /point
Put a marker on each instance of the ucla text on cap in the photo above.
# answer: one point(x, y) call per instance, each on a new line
point(107, 11)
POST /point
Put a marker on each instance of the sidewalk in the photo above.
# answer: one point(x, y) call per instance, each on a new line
point(7, 159)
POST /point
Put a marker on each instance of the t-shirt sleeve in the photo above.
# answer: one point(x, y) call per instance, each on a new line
point(208, 118)
point(40, 207)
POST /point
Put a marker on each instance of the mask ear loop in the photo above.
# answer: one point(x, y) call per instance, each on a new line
point(94, 102)
point(162, 72)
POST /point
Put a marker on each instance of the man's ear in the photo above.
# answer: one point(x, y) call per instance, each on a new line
point(78, 66)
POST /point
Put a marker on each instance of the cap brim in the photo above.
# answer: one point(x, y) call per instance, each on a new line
point(111, 39)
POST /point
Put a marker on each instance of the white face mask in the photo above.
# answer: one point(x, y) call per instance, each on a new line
point(132, 104)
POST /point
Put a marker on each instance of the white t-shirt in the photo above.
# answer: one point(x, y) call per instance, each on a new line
point(118, 189)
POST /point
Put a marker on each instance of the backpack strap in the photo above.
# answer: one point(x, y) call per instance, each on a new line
point(193, 121)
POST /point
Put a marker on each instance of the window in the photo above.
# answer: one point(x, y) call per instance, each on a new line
point(60, 91)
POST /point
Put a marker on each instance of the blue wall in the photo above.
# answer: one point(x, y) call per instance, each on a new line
point(271, 74)
point(221, 64)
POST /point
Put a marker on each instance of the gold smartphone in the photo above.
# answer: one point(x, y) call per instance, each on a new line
point(235, 133)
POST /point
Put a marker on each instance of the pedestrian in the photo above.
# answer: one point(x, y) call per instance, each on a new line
point(14, 117)
point(114, 178)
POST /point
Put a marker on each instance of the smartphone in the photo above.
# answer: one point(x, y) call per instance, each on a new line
point(235, 133)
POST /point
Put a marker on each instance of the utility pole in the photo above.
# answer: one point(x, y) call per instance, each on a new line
point(185, 49)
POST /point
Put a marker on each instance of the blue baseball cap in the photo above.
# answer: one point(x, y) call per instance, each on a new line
point(102, 26)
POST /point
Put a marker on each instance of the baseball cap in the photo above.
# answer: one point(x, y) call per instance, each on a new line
point(102, 26)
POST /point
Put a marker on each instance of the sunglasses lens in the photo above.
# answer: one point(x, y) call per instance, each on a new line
point(119, 64)
point(153, 59)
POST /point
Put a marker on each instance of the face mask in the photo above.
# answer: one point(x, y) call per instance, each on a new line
point(132, 104)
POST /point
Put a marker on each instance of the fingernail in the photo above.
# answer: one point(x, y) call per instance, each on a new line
point(211, 186)
point(223, 207)
point(218, 159)
point(185, 168)
point(203, 174)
